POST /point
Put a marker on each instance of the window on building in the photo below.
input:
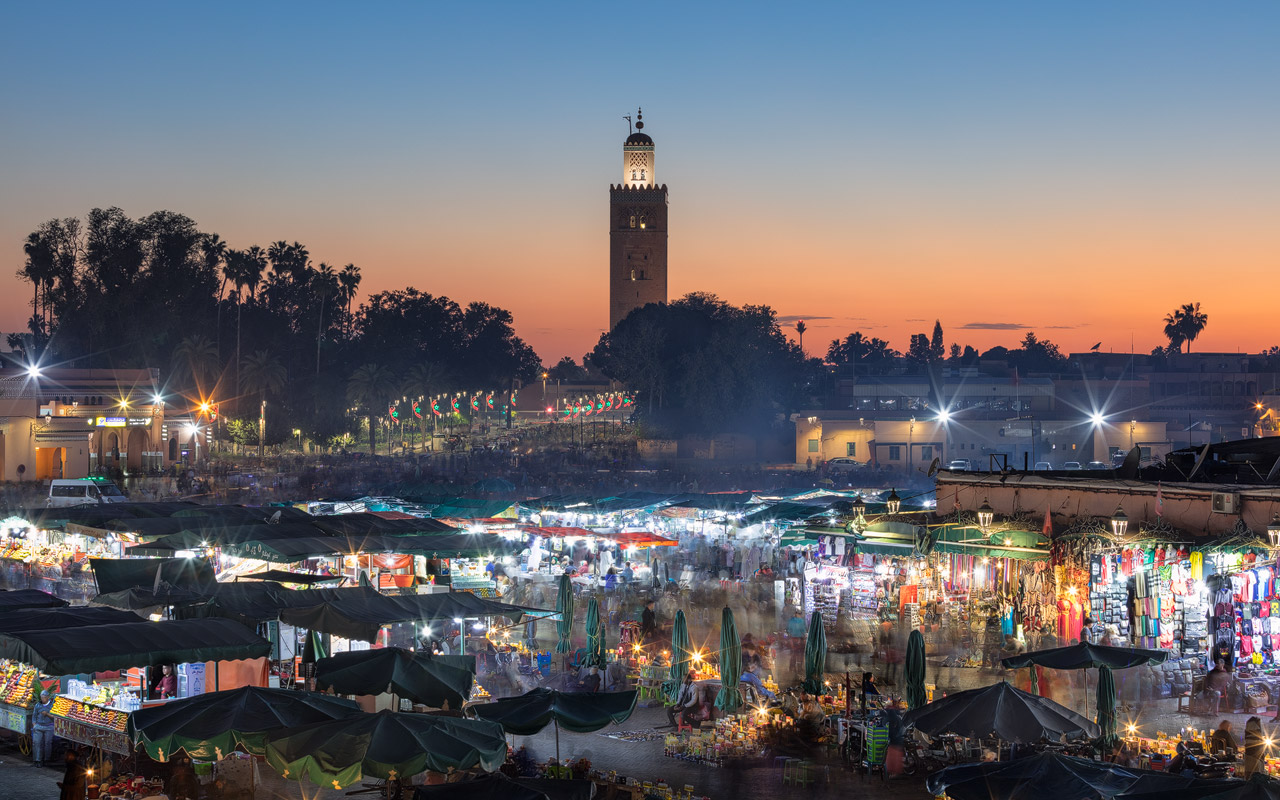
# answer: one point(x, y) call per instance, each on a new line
point(813, 445)
point(633, 273)
point(926, 452)
point(851, 449)
point(888, 403)
point(633, 220)
point(895, 452)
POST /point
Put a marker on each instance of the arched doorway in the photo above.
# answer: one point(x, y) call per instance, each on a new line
point(139, 444)
point(113, 450)
point(173, 449)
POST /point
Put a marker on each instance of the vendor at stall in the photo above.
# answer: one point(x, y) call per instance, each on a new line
point(1223, 741)
point(686, 699)
point(1216, 685)
point(41, 729)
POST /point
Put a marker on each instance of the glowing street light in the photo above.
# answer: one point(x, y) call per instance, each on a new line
point(1097, 419)
point(33, 371)
point(986, 514)
point(892, 503)
point(1119, 522)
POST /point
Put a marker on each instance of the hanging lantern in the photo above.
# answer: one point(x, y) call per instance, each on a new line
point(1119, 522)
point(893, 502)
point(859, 509)
point(986, 514)
point(1273, 531)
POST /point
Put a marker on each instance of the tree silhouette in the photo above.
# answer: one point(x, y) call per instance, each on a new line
point(368, 389)
point(196, 358)
point(1184, 325)
point(263, 374)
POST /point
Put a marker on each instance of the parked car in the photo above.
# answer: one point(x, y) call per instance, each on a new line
point(1096, 465)
point(1043, 466)
point(958, 465)
point(82, 491)
point(1072, 465)
point(845, 464)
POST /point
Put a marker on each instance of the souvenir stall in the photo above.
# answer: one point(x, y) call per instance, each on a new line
point(103, 673)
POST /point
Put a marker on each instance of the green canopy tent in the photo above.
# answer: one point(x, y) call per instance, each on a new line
point(1085, 655)
point(681, 655)
point(595, 651)
point(384, 745)
point(434, 681)
point(815, 654)
point(913, 670)
point(585, 712)
point(210, 726)
point(564, 626)
point(729, 698)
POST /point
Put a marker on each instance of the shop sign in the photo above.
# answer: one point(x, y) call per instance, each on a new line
point(15, 720)
point(110, 422)
point(139, 420)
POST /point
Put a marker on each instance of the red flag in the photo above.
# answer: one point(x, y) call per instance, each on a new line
point(1159, 500)
point(1047, 530)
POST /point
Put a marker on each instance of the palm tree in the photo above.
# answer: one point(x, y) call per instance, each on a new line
point(423, 382)
point(263, 374)
point(1173, 329)
point(1193, 322)
point(800, 329)
point(325, 284)
point(348, 281)
point(195, 357)
point(215, 259)
point(248, 274)
point(368, 388)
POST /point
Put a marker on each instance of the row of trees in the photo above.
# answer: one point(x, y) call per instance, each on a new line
point(243, 326)
point(863, 355)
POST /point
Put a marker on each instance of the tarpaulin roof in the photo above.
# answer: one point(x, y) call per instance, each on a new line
point(210, 726)
point(547, 532)
point(582, 712)
point(14, 599)
point(287, 551)
point(40, 619)
point(69, 651)
point(281, 576)
point(140, 597)
point(114, 574)
point(1087, 656)
point(375, 522)
point(255, 601)
point(639, 539)
point(1043, 775)
point(466, 508)
point(384, 745)
point(422, 677)
point(360, 618)
point(220, 535)
point(1002, 711)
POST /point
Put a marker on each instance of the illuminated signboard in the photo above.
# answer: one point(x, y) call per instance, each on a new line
point(139, 420)
point(111, 422)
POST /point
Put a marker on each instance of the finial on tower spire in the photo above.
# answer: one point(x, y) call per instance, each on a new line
point(639, 117)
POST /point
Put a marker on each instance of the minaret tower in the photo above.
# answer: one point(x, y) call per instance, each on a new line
point(637, 230)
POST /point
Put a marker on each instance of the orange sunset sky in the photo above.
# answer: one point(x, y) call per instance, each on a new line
point(1078, 171)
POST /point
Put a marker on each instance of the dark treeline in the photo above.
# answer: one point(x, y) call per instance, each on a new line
point(260, 323)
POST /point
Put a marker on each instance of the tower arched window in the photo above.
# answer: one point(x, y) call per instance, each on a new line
point(633, 174)
point(642, 221)
point(633, 220)
point(641, 175)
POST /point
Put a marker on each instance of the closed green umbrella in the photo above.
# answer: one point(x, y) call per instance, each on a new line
point(913, 670)
point(1107, 708)
point(385, 745)
point(681, 657)
point(602, 646)
point(421, 677)
point(564, 607)
point(815, 654)
point(729, 699)
point(593, 632)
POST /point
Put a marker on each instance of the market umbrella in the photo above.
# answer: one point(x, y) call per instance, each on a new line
point(1106, 708)
point(499, 787)
point(1045, 774)
point(593, 633)
point(729, 698)
point(564, 607)
point(584, 712)
point(680, 655)
point(913, 670)
point(423, 678)
point(1002, 711)
point(815, 654)
point(210, 726)
point(1085, 655)
point(385, 745)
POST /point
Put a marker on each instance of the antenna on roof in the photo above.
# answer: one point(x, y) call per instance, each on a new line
point(630, 128)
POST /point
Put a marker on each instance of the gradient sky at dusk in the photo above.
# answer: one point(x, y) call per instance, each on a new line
point(1074, 168)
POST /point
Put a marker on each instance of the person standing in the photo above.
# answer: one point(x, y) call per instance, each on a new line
point(73, 783)
point(648, 622)
point(41, 729)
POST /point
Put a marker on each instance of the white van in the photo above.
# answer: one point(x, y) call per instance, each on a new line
point(81, 491)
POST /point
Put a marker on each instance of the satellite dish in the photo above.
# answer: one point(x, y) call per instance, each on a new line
point(1200, 459)
point(274, 519)
point(1129, 469)
point(933, 466)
